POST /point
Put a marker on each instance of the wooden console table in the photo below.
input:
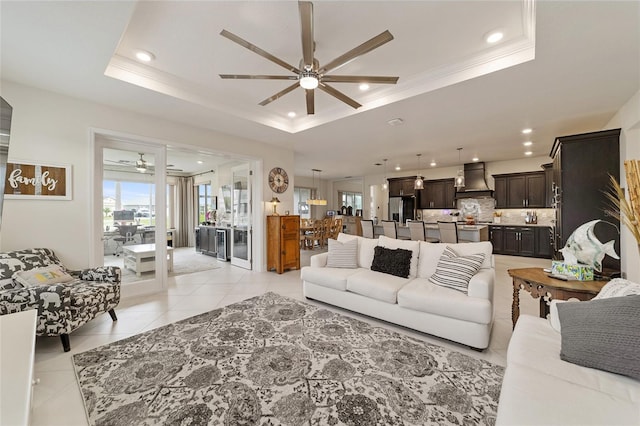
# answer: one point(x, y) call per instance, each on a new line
point(536, 282)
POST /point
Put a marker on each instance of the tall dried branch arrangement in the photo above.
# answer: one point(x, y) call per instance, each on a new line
point(627, 211)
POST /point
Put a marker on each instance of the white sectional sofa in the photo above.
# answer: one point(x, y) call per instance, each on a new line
point(541, 389)
point(412, 302)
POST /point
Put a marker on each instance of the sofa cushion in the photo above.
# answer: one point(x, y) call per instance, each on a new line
point(602, 334)
point(392, 261)
point(430, 255)
point(328, 277)
point(52, 274)
point(342, 254)
point(414, 246)
point(422, 295)
point(376, 285)
point(454, 271)
point(536, 346)
point(365, 248)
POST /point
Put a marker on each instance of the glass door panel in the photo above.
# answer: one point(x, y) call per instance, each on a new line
point(241, 217)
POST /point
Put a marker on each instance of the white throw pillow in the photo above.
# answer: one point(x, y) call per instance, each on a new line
point(52, 274)
point(343, 254)
point(618, 287)
point(454, 271)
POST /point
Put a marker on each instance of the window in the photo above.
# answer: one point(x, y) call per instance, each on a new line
point(300, 206)
point(206, 202)
point(138, 197)
point(351, 199)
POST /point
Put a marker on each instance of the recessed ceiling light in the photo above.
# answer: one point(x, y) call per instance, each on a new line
point(527, 143)
point(494, 37)
point(474, 159)
point(526, 131)
point(398, 168)
point(200, 162)
point(144, 56)
point(364, 87)
point(291, 114)
point(528, 153)
point(433, 164)
point(395, 122)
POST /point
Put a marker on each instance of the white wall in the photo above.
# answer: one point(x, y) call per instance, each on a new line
point(628, 119)
point(48, 127)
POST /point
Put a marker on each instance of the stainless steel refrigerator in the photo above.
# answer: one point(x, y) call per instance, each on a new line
point(402, 208)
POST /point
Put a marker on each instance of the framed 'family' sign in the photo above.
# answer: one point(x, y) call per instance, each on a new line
point(37, 181)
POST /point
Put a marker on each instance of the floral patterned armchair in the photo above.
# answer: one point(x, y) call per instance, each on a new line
point(61, 307)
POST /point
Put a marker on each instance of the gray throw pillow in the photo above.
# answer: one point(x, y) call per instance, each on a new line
point(343, 254)
point(602, 334)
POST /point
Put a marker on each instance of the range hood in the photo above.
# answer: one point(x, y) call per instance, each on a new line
point(475, 183)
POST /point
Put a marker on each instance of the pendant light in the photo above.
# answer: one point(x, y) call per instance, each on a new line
point(385, 182)
point(418, 183)
point(317, 201)
point(460, 176)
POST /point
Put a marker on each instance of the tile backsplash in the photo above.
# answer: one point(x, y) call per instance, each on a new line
point(483, 210)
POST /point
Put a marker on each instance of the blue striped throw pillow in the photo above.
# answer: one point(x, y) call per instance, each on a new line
point(455, 271)
point(343, 254)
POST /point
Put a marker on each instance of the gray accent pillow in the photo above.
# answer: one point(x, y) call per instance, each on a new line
point(343, 254)
point(602, 334)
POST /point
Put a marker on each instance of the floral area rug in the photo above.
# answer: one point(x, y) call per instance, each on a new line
point(271, 360)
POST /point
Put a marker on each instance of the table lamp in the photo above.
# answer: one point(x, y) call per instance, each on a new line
point(275, 201)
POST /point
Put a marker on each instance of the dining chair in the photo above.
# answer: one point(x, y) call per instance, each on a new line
point(419, 233)
point(448, 232)
point(127, 234)
point(367, 228)
point(336, 228)
point(390, 228)
point(315, 235)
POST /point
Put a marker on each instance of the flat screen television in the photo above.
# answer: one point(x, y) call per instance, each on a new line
point(123, 216)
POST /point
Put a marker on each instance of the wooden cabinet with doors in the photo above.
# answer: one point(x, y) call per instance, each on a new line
point(283, 243)
point(548, 184)
point(519, 241)
point(401, 187)
point(543, 242)
point(496, 236)
point(437, 194)
point(520, 190)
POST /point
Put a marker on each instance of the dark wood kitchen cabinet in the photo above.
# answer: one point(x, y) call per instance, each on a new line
point(437, 194)
point(518, 241)
point(520, 190)
point(581, 168)
point(548, 185)
point(400, 187)
point(496, 236)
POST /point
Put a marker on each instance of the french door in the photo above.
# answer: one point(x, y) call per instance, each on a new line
point(129, 214)
point(241, 220)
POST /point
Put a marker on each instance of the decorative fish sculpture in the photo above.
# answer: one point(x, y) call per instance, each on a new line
point(584, 247)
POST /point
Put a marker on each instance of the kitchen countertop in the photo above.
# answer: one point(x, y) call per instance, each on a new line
point(461, 224)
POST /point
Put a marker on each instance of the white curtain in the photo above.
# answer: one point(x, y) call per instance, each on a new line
point(185, 215)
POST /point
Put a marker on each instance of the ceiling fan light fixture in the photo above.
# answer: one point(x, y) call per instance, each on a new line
point(308, 79)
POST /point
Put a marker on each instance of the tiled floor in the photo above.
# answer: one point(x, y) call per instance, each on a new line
point(57, 399)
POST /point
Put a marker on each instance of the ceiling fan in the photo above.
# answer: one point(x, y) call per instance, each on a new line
point(310, 75)
point(142, 165)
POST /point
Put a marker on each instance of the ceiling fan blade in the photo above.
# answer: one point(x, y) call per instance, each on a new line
point(306, 24)
point(258, 77)
point(311, 109)
point(359, 79)
point(259, 51)
point(337, 94)
point(365, 47)
point(279, 94)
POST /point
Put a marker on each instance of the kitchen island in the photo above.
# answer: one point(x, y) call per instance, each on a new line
point(465, 232)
